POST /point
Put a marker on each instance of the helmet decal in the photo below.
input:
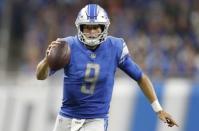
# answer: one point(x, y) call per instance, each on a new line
point(92, 11)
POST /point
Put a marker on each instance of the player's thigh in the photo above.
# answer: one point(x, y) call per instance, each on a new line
point(95, 125)
point(62, 124)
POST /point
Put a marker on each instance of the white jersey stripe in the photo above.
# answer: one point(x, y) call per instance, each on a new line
point(125, 51)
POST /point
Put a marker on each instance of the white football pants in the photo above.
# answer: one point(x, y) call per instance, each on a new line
point(69, 124)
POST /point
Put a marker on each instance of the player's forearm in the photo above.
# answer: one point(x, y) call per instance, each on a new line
point(147, 88)
point(42, 70)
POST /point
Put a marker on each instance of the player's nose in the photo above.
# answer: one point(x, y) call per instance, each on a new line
point(92, 30)
point(93, 33)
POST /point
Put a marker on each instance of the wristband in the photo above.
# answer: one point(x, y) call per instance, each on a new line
point(156, 106)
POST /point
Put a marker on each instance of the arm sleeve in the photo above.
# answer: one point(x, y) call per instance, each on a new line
point(127, 64)
point(131, 68)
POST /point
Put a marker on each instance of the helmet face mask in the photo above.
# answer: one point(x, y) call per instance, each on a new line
point(92, 14)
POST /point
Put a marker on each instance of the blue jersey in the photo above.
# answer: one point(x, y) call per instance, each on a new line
point(89, 77)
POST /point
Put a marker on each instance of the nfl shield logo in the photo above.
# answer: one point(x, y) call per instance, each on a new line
point(93, 56)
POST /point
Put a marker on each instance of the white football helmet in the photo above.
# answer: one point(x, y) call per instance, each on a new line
point(92, 14)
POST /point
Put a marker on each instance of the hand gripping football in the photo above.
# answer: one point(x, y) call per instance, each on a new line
point(59, 55)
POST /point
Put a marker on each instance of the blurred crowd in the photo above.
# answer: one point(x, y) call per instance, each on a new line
point(162, 35)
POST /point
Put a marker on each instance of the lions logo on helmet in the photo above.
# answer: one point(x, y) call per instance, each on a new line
point(92, 14)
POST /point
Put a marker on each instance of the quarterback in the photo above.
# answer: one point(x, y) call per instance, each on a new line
point(89, 75)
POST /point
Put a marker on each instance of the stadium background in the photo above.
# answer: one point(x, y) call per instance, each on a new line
point(162, 36)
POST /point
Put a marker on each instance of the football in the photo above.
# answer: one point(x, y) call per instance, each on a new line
point(59, 56)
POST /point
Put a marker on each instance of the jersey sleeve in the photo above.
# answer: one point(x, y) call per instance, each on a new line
point(124, 52)
point(128, 65)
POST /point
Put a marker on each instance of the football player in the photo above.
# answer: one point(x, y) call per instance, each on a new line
point(89, 76)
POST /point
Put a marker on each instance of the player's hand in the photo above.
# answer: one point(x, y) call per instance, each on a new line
point(164, 116)
point(51, 46)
